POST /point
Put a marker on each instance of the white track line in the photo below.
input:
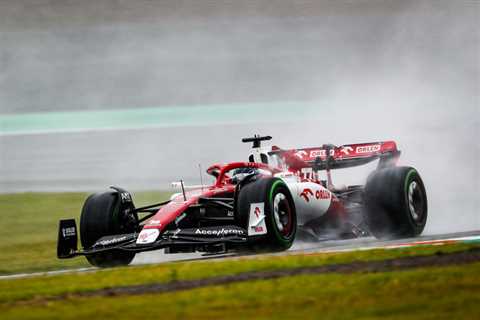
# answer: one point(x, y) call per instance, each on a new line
point(47, 273)
point(398, 244)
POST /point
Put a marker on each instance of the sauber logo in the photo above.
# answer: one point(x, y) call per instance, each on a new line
point(368, 149)
point(319, 194)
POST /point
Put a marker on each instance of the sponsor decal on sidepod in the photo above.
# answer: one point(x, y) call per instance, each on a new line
point(319, 194)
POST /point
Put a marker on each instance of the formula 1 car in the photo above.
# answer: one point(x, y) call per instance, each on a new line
point(261, 204)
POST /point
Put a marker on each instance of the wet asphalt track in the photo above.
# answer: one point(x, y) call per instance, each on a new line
point(300, 247)
point(157, 257)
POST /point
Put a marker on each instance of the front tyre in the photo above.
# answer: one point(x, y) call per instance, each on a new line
point(396, 203)
point(278, 209)
point(103, 214)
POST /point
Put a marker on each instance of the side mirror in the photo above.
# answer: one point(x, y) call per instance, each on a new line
point(214, 170)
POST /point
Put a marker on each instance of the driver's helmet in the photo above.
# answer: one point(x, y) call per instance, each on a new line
point(240, 174)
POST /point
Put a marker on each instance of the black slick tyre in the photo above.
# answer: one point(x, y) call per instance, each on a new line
point(101, 217)
point(395, 203)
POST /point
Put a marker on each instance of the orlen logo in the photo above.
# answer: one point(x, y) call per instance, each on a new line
point(368, 149)
point(300, 154)
point(319, 194)
point(322, 194)
point(321, 153)
point(257, 212)
point(305, 194)
point(346, 150)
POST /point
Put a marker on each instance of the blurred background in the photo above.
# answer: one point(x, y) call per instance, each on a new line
point(139, 93)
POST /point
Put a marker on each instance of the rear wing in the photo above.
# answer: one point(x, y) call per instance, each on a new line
point(329, 157)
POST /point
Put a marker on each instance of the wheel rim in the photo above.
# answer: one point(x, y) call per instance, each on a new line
point(282, 213)
point(415, 201)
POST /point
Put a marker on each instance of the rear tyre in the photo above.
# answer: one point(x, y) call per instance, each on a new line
point(279, 210)
point(396, 203)
point(101, 216)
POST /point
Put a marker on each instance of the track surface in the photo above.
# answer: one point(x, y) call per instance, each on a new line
point(298, 248)
point(321, 246)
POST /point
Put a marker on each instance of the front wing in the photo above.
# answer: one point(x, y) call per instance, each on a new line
point(180, 238)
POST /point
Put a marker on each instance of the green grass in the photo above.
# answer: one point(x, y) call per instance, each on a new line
point(48, 286)
point(428, 293)
point(28, 243)
point(29, 223)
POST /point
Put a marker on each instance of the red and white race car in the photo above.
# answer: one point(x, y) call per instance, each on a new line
point(262, 204)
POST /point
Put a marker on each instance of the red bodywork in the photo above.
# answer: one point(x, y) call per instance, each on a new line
point(178, 205)
point(294, 159)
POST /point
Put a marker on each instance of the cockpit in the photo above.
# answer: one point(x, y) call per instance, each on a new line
point(238, 175)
